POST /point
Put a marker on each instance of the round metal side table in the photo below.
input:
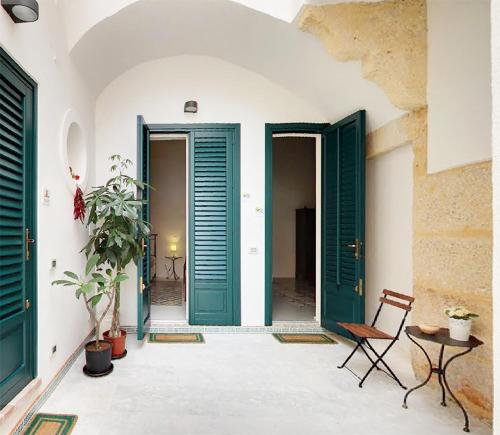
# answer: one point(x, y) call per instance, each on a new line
point(442, 337)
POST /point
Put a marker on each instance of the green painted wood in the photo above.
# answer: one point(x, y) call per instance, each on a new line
point(343, 221)
point(214, 244)
point(271, 129)
point(17, 212)
point(213, 224)
point(144, 264)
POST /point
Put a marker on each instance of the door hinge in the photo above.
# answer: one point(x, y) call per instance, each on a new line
point(27, 304)
point(27, 242)
point(359, 288)
point(141, 285)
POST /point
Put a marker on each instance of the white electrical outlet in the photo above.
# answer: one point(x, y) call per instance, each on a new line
point(253, 250)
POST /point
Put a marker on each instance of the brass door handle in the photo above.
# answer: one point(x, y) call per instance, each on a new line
point(357, 248)
point(27, 242)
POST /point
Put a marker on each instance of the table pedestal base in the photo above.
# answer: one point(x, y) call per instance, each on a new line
point(440, 370)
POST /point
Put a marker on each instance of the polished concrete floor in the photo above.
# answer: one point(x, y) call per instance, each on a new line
point(245, 384)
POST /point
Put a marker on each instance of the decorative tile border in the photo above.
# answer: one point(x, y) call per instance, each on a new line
point(290, 328)
point(49, 389)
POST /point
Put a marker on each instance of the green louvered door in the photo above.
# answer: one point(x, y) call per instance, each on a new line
point(144, 264)
point(213, 284)
point(343, 266)
point(17, 224)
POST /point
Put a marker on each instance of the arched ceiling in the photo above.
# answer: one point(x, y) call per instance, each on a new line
point(274, 48)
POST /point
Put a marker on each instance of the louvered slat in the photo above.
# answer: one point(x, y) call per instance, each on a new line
point(11, 200)
point(211, 227)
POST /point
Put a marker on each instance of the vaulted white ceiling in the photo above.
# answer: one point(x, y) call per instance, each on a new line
point(119, 34)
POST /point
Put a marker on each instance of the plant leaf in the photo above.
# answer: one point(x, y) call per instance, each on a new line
point(71, 274)
point(91, 263)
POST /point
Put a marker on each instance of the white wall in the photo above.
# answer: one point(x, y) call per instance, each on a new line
point(226, 94)
point(294, 186)
point(39, 49)
point(459, 85)
point(168, 201)
point(389, 208)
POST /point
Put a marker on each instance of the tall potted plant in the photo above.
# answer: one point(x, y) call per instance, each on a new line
point(115, 216)
point(93, 287)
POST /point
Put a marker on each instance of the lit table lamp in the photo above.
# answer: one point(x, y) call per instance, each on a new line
point(171, 273)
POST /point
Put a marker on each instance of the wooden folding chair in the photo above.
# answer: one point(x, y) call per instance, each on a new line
point(361, 333)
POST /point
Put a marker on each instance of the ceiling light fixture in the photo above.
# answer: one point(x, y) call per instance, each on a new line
point(191, 107)
point(21, 11)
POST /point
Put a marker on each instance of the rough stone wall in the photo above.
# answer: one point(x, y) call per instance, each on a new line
point(452, 210)
point(385, 36)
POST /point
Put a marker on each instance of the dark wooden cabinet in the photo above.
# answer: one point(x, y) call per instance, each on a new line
point(305, 244)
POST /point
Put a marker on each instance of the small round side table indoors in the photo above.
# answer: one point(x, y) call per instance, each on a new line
point(441, 337)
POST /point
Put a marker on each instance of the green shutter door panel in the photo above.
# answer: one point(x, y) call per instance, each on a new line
point(343, 222)
point(211, 228)
point(144, 264)
point(17, 212)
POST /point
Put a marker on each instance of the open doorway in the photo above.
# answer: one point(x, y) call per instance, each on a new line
point(169, 228)
point(294, 259)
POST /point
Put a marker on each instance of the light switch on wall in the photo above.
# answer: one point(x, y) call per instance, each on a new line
point(45, 196)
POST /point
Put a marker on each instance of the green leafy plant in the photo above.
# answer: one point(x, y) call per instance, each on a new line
point(92, 286)
point(114, 213)
point(460, 313)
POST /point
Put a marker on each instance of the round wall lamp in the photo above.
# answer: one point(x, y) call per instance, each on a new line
point(191, 107)
point(21, 11)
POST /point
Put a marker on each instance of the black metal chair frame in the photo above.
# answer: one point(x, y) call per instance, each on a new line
point(363, 343)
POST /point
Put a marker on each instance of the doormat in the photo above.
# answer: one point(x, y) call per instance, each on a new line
point(305, 338)
point(51, 424)
point(175, 338)
point(167, 292)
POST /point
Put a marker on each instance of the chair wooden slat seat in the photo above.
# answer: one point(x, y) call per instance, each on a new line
point(366, 331)
point(362, 333)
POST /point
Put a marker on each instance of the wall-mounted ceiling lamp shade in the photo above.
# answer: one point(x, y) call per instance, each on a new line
point(191, 107)
point(21, 11)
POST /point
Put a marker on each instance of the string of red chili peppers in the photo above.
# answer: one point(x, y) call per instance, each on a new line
point(78, 202)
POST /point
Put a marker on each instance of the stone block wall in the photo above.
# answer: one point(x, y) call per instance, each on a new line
point(452, 210)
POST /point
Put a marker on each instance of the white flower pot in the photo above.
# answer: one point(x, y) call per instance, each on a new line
point(460, 329)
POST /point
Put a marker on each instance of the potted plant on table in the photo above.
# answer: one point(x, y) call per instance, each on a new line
point(94, 286)
point(118, 231)
point(460, 322)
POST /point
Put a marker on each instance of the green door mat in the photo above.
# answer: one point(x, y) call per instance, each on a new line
point(51, 424)
point(305, 338)
point(176, 338)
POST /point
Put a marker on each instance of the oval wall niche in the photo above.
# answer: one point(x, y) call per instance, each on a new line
point(74, 151)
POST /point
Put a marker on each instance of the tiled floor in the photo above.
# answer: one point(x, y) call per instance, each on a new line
point(171, 306)
point(293, 300)
point(245, 384)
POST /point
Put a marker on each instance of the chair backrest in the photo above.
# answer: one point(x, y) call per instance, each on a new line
point(398, 300)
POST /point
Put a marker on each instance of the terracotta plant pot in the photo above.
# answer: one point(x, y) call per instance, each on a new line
point(98, 360)
point(118, 344)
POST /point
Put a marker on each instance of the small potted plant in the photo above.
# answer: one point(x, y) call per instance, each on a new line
point(460, 322)
point(94, 286)
point(118, 232)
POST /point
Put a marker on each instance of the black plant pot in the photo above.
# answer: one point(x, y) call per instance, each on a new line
point(98, 360)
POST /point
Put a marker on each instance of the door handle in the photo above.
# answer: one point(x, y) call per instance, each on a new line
point(357, 248)
point(27, 242)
